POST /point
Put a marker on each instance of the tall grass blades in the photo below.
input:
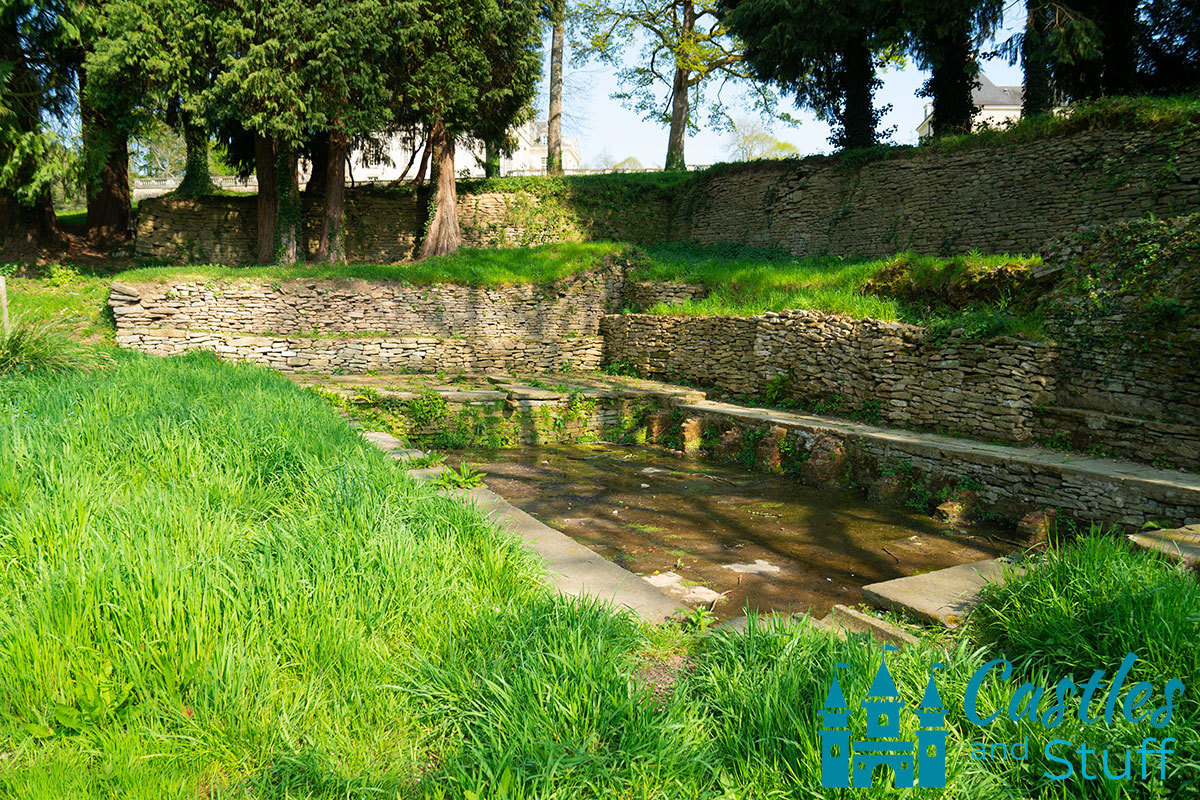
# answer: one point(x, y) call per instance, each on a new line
point(30, 346)
point(1084, 606)
point(205, 575)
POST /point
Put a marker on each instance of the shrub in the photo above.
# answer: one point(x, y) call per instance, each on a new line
point(41, 346)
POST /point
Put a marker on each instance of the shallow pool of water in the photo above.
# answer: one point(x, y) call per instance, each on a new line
point(709, 532)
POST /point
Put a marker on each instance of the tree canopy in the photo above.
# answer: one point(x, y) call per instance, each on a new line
point(684, 48)
point(824, 53)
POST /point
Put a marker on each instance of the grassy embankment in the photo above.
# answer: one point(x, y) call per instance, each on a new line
point(212, 587)
point(742, 281)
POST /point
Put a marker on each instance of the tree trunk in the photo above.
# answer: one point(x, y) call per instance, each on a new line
point(491, 160)
point(420, 179)
point(953, 79)
point(679, 120)
point(290, 221)
point(28, 226)
point(679, 101)
point(554, 164)
point(319, 173)
point(108, 200)
point(332, 248)
point(1119, 46)
point(268, 196)
point(1035, 60)
point(196, 178)
point(444, 235)
point(858, 113)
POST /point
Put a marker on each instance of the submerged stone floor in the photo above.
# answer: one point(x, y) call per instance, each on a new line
point(1016, 480)
point(720, 536)
point(700, 533)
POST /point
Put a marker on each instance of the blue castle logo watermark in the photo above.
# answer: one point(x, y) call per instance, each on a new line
point(847, 763)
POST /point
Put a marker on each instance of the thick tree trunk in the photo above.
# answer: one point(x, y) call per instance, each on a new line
point(491, 160)
point(1120, 29)
point(858, 113)
point(196, 178)
point(554, 165)
point(425, 156)
point(1035, 60)
point(105, 148)
point(268, 196)
point(679, 101)
point(289, 223)
point(679, 121)
point(320, 166)
point(332, 248)
point(444, 235)
point(24, 226)
point(108, 209)
point(953, 79)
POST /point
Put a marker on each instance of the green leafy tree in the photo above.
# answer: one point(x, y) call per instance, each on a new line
point(825, 53)
point(171, 47)
point(1169, 36)
point(750, 140)
point(114, 89)
point(37, 41)
point(684, 49)
point(945, 37)
point(293, 69)
point(1093, 47)
point(1032, 48)
point(467, 68)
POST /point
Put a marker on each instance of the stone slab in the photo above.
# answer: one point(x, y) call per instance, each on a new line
point(574, 569)
point(852, 620)
point(943, 597)
point(1178, 544)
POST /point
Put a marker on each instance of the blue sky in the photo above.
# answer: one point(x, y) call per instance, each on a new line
point(601, 123)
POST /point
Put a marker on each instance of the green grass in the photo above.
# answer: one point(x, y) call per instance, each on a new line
point(541, 264)
point(75, 216)
point(42, 346)
point(210, 586)
point(743, 281)
point(73, 300)
point(746, 281)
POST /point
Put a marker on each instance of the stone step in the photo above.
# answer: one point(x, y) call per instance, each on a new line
point(851, 620)
point(1179, 544)
point(1025, 478)
point(943, 597)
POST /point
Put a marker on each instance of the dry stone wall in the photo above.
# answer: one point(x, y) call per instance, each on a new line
point(358, 326)
point(1008, 197)
point(1004, 198)
point(374, 353)
point(886, 370)
point(569, 308)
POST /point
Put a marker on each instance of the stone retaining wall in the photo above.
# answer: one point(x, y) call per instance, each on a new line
point(886, 370)
point(383, 353)
point(567, 308)
point(1004, 197)
point(1009, 482)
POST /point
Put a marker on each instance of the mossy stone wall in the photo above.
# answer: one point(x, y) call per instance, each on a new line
point(1004, 197)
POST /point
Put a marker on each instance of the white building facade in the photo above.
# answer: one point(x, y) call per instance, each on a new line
point(528, 157)
point(997, 106)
